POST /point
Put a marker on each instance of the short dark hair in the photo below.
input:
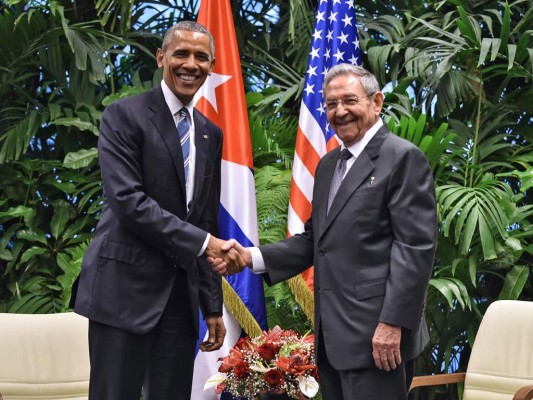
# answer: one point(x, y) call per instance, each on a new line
point(191, 26)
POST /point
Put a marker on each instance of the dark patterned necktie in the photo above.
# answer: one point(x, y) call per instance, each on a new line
point(340, 169)
point(185, 139)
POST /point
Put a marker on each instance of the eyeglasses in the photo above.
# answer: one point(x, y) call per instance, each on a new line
point(350, 101)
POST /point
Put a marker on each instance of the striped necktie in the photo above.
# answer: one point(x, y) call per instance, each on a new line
point(185, 139)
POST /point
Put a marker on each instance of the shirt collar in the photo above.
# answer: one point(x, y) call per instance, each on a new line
point(173, 103)
point(357, 148)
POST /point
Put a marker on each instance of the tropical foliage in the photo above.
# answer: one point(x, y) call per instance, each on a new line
point(458, 79)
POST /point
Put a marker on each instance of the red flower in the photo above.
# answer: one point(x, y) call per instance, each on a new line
point(231, 361)
point(314, 374)
point(242, 370)
point(274, 377)
point(266, 351)
point(243, 344)
point(309, 338)
point(297, 364)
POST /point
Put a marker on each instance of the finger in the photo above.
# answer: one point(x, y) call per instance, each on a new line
point(397, 357)
point(228, 245)
point(213, 347)
point(206, 346)
point(377, 359)
point(391, 359)
point(220, 269)
point(385, 363)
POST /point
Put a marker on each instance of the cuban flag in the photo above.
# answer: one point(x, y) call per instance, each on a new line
point(335, 41)
point(222, 100)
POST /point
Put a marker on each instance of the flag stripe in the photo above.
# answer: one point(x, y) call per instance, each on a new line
point(298, 200)
point(302, 177)
point(294, 223)
point(240, 177)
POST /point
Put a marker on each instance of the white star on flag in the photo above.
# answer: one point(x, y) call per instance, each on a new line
point(208, 89)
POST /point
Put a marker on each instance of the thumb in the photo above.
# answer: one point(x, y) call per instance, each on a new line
point(228, 245)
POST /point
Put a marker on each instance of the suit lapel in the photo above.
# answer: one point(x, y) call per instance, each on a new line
point(320, 199)
point(164, 123)
point(358, 173)
point(201, 142)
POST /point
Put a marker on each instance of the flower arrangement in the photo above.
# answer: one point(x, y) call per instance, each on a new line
point(277, 361)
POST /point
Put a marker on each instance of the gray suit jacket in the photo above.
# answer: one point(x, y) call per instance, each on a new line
point(145, 233)
point(373, 253)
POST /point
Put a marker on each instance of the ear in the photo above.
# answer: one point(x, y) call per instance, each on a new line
point(377, 102)
point(159, 55)
point(212, 66)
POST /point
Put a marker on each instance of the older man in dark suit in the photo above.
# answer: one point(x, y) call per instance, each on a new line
point(145, 273)
point(371, 237)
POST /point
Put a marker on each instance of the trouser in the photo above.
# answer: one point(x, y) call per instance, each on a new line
point(362, 384)
point(160, 362)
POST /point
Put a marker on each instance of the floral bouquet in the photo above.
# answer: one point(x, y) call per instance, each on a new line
point(277, 361)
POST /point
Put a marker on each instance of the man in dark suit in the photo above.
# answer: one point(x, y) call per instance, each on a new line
point(372, 243)
point(145, 273)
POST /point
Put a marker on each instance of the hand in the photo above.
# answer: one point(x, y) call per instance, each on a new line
point(217, 332)
point(217, 249)
point(221, 267)
point(386, 346)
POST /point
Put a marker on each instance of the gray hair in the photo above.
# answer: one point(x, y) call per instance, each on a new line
point(368, 80)
point(191, 26)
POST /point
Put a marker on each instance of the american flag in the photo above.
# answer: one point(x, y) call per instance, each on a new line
point(335, 41)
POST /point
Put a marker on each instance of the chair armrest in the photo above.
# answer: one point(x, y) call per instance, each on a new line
point(524, 393)
point(441, 379)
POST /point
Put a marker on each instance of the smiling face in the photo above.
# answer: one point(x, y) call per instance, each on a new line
point(349, 118)
point(186, 62)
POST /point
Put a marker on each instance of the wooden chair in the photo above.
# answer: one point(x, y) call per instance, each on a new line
point(501, 363)
point(44, 356)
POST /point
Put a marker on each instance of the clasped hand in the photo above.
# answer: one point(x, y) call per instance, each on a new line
point(230, 259)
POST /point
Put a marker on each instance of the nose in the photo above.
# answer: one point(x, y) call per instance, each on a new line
point(190, 61)
point(340, 109)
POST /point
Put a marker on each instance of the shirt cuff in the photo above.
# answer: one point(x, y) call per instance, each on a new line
point(258, 262)
point(202, 250)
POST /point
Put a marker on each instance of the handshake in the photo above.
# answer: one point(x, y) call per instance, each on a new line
point(227, 257)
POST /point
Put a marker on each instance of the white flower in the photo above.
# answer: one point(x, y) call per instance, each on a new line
point(259, 368)
point(215, 380)
point(308, 385)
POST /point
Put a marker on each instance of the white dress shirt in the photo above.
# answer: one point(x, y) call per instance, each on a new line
point(175, 105)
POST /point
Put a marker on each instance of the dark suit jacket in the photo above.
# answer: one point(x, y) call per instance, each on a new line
point(373, 253)
point(145, 234)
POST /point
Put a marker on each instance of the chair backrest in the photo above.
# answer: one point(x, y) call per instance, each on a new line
point(44, 356)
point(502, 356)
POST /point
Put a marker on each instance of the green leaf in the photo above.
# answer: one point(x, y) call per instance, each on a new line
point(78, 123)
point(31, 252)
point(32, 236)
point(506, 26)
point(465, 26)
point(452, 288)
point(6, 255)
point(61, 216)
point(80, 159)
point(514, 283)
point(16, 212)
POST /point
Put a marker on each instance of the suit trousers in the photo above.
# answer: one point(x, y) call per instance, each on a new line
point(362, 384)
point(160, 362)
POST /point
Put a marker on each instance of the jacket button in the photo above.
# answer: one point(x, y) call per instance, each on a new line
point(321, 252)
